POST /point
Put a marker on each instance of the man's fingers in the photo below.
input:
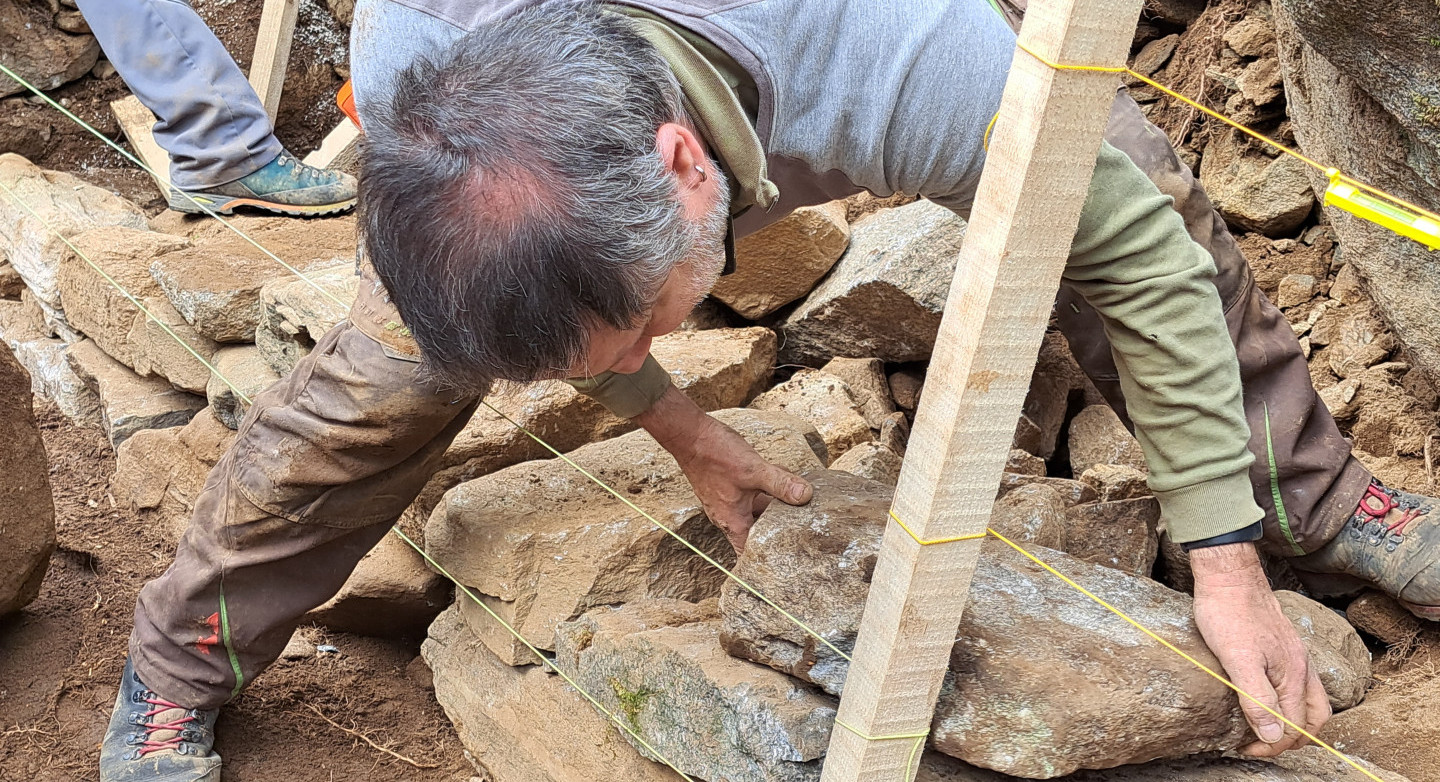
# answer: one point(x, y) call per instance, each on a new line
point(1251, 678)
point(786, 486)
point(1317, 705)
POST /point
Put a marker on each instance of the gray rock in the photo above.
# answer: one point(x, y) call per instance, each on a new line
point(495, 709)
point(244, 366)
point(27, 512)
point(63, 206)
point(1308, 764)
point(659, 665)
point(128, 402)
point(1038, 671)
point(827, 403)
point(783, 261)
point(38, 52)
point(22, 329)
point(94, 305)
point(544, 537)
point(295, 314)
point(1253, 191)
point(886, 295)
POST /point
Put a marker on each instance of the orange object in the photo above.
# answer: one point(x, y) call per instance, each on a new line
point(346, 100)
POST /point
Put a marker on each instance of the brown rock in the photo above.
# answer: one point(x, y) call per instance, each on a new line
point(1098, 437)
point(1379, 616)
point(895, 433)
point(1153, 56)
point(870, 460)
point(1253, 191)
point(1337, 655)
point(38, 52)
point(1031, 514)
point(1340, 399)
point(1261, 82)
point(495, 709)
point(783, 261)
point(1024, 463)
point(27, 512)
point(544, 537)
point(247, 369)
point(11, 283)
point(1120, 534)
point(1116, 482)
point(1074, 492)
point(159, 472)
point(95, 306)
point(1295, 289)
point(296, 313)
point(718, 368)
point(1251, 37)
point(156, 351)
point(128, 402)
point(1057, 377)
point(866, 380)
point(826, 402)
point(1175, 565)
point(391, 592)
point(905, 387)
point(1348, 287)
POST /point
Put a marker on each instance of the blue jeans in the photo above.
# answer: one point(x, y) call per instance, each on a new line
point(210, 120)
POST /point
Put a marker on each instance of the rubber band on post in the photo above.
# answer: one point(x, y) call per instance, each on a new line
point(936, 541)
point(919, 738)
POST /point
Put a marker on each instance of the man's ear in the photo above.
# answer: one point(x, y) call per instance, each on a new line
point(682, 153)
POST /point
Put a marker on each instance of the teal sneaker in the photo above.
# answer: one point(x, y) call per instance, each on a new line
point(151, 739)
point(284, 185)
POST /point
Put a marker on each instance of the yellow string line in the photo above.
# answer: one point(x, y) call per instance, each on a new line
point(1191, 660)
point(548, 662)
point(1329, 171)
point(935, 541)
point(672, 533)
point(127, 294)
point(147, 169)
point(919, 738)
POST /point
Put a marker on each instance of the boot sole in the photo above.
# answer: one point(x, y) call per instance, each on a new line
point(228, 207)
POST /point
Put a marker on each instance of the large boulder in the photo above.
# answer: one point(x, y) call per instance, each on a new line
point(128, 402)
point(216, 284)
point(658, 664)
point(885, 297)
point(544, 538)
point(27, 512)
point(102, 310)
point(32, 47)
point(783, 261)
point(1038, 671)
point(496, 707)
point(1363, 91)
point(56, 205)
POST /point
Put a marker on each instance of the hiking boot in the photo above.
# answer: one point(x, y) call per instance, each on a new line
point(284, 185)
point(151, 739)
point(1391, 542)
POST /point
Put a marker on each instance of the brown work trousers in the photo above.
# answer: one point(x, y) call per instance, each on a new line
point(328, 458)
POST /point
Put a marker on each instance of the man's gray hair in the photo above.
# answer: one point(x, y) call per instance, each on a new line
point(512, 197)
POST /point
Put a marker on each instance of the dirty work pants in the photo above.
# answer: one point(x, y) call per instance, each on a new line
point(210, 120)
point(327, 459)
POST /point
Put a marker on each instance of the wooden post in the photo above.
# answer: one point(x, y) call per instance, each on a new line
point(1041, 157)
point(272, 51)
point(340, 150)
point(137, 123)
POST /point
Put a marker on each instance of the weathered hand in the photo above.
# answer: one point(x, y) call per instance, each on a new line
point(733, 482)
point(1241, 622)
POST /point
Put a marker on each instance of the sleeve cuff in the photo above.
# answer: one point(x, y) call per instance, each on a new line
point(1210, 509)
point(627, 395)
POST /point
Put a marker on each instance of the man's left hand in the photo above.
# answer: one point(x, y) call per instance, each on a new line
point(1262, 654)
point(733, 482)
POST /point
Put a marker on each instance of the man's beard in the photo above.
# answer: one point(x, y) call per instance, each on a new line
point(706, 258)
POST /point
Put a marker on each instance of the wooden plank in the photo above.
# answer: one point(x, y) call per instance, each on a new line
point(339, 150)
point(1041, 156)
point(137, 123)
point(272, 52)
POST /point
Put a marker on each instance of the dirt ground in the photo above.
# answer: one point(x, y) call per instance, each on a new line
point(60, 662)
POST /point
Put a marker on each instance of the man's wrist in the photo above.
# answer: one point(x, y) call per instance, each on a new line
point(1227, 566)
point(673, 420)
point(1248, 534)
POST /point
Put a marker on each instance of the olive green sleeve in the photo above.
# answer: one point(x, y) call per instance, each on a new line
point(1133, 261)
point(627, 395)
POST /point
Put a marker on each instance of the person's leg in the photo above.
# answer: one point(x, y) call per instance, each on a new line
point(210, 119)
point(385, 38)
point(1304, 476)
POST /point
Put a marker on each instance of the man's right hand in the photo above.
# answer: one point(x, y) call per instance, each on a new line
point(1243, 625)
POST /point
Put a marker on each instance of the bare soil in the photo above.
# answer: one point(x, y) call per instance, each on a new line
point(60, 661)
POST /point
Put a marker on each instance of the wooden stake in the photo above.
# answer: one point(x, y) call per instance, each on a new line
point(340, 149)
point(272, 51)
point(137, 123)
point(1041, 156)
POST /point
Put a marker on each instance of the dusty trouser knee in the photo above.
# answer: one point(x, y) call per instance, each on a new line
point(324, 463)
point(1304, 476)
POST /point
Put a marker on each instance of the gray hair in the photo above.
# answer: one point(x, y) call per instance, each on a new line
point(512, 197)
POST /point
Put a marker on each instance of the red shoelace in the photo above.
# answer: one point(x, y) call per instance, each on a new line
point(150, 745)
point(1387, 504)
